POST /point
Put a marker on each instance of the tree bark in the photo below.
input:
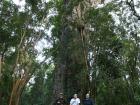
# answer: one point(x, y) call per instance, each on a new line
point(17, 90)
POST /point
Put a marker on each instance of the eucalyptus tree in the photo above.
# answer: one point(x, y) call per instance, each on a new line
point(69, 51)
point(20, 30)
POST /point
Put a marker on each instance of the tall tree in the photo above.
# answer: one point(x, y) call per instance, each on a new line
point(20, 30)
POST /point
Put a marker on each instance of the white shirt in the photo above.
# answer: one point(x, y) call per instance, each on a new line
point(74, 101)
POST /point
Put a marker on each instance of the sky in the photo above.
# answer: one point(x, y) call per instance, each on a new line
point(19, 2)
point(22, 2)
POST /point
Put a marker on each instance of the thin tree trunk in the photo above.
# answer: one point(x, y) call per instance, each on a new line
point(17, 90)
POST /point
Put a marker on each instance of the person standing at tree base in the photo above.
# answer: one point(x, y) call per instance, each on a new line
point(60, 100)
point(75, 100)
point(87, 100)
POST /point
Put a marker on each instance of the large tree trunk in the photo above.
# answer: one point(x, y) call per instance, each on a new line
point(60, 66)
point(58, 81)
point(65, 76)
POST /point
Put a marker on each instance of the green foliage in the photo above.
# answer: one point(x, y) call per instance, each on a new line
point(111, 51)
point(39, 91)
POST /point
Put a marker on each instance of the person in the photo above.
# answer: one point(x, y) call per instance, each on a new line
point(87, 100)
point(75, 100)
point(60, 100)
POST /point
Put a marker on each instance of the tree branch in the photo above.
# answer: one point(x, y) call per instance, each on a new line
point(132, 8)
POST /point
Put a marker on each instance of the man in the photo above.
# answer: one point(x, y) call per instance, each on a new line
point(75, 100)
point(87, 100)
point(60, 100)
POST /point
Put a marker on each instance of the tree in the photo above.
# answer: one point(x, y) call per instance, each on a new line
point(18, 56)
